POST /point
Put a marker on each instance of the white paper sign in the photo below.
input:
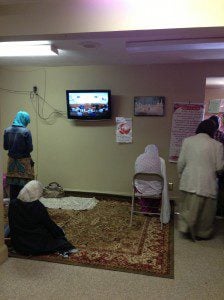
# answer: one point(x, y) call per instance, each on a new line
point(123, 130)
point(214, 106)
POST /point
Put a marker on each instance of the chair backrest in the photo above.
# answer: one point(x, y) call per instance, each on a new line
point(148, 177)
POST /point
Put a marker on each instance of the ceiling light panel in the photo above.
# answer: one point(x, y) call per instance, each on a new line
point(31, 48)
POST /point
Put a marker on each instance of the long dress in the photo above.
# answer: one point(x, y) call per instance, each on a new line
point(32, 231)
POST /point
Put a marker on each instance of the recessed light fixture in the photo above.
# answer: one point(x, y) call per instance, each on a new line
point(31, 48)
point(90, 44)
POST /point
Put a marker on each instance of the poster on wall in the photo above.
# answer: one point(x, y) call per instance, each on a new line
point(186, 118)
point(149, 106)
point(123, 130)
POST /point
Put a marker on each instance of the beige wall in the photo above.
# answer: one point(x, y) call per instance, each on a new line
point(84, 156)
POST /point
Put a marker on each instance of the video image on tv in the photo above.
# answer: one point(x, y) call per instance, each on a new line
point(92, 105)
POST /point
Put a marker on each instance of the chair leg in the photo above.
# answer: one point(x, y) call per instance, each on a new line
point(161, 215)
point(192, 233)
point(131, 219)
point(132, 209)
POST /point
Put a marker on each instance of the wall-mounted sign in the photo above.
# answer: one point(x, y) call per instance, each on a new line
point(214, 106)
point(186, 118)
point(123, 130)
point(149, 106)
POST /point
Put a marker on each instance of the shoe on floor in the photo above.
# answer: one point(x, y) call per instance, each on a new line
point(73, 251)
point(64, 254)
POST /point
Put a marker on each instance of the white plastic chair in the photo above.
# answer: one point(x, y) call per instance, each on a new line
point(137, 195)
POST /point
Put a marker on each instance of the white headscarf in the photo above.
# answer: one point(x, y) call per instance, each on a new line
point(149, 161)
point(32, 191)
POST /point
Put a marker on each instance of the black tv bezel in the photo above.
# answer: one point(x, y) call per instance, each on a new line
point(90, 118)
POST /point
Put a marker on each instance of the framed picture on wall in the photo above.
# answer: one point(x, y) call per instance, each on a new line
point(149, 106)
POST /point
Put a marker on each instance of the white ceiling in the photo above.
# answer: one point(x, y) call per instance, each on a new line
point(108, 48)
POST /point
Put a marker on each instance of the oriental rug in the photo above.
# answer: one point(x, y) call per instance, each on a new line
point(106, 241)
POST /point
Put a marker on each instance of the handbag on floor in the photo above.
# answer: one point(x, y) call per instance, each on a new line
point(53, 190)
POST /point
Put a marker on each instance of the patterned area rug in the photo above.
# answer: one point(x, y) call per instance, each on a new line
point(106, 241)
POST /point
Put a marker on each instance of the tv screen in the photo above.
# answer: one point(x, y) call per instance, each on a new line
point(88, 104)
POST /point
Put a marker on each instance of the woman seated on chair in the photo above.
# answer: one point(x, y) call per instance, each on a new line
point(32, 231)
point(150, 162)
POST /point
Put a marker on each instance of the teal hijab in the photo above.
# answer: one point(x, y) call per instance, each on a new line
point(22, 119)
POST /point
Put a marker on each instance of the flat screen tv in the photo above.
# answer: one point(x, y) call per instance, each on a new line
point(88, 104)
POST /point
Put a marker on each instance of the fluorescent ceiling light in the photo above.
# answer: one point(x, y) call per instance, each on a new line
point(173, 45)
point(215, 81)
point(33, 48)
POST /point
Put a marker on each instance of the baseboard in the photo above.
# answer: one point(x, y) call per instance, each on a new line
point(105, 196)
point(3, 253)
point(99, 196)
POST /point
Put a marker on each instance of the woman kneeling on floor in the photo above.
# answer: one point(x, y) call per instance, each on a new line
point(32, 231)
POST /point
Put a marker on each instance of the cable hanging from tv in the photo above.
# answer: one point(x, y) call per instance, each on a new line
point(39, 109)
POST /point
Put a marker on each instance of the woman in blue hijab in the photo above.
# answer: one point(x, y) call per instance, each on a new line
point(18, 142)
point(22, 119)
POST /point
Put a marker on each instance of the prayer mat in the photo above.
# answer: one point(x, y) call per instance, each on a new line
point(69, 202)
point(105, 240)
